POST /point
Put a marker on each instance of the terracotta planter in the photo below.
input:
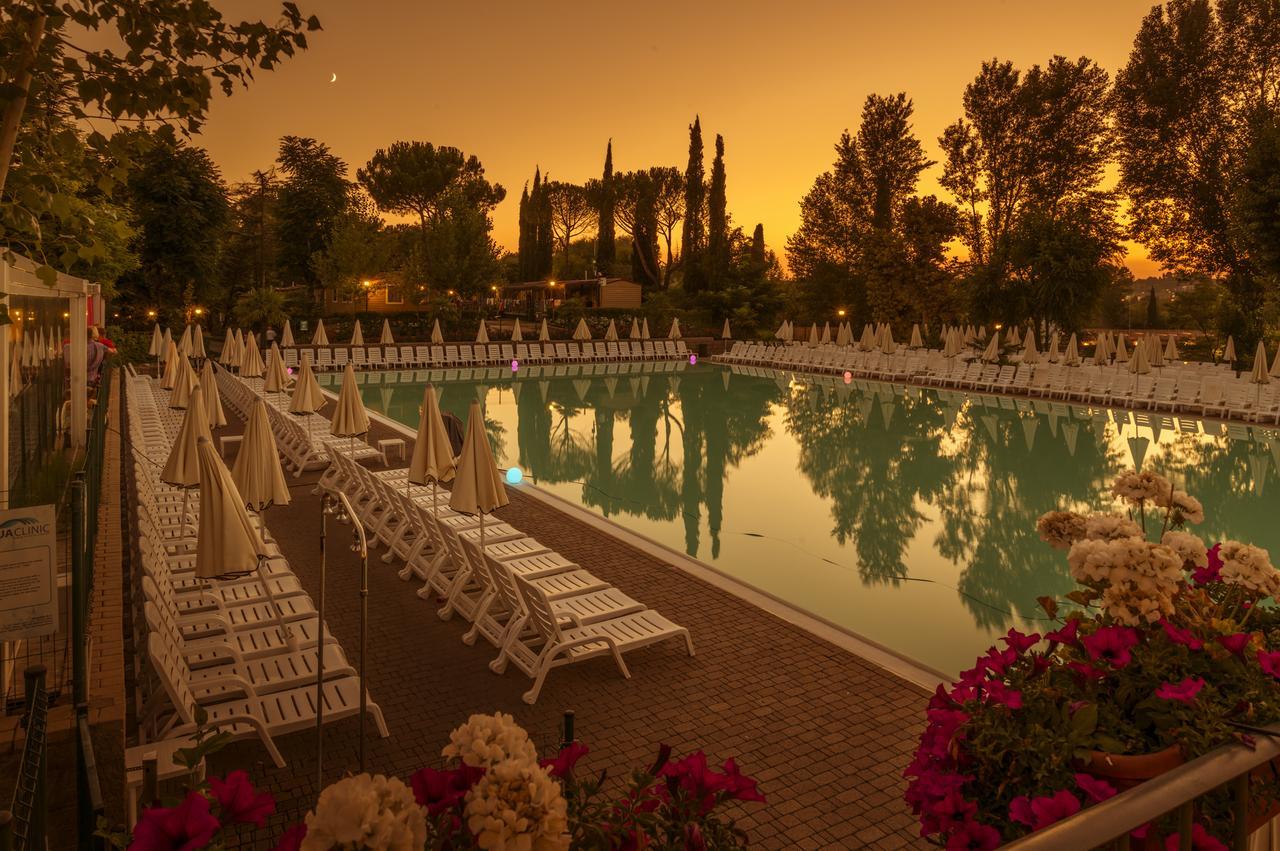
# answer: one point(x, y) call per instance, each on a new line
point(1125, 771)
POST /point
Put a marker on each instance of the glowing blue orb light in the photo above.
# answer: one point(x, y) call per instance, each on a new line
point(515, 364)
point(514, 475)
point(693, 359)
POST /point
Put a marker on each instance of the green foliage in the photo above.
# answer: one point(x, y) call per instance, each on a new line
point(693, 238)
point(572, 213)
point(718, 248)
point(606, 251)
point(358, 249)
point(1153, 310)
point(131, 345)
point(260, 308)
point(458, 252)
point(312, 194)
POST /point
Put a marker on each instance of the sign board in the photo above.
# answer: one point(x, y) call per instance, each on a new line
point(28, 573)
point(303, 325)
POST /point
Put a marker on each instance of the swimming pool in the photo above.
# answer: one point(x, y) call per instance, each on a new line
point(902, 514)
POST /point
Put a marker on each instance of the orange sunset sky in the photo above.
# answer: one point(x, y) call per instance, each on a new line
point(521, 84)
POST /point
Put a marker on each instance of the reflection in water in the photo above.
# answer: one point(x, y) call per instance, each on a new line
point(905, 503)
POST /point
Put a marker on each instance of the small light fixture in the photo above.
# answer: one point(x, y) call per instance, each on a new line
point(515, 365)
point(514, 475)
point(840, 312)
point(693, 359)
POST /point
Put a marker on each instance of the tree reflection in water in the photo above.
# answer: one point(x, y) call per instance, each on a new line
point(967, 476)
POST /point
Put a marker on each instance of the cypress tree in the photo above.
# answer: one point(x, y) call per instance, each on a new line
point(523, 248)
point(546, 234)
point(717, 222)
point(534, 271)
point(693, 237)
point(757, 245)
point(1153, 309)
point(606, 250)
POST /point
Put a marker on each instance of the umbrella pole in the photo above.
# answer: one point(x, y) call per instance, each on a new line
point(186, 496)
point(284, 628)
point(320, 650)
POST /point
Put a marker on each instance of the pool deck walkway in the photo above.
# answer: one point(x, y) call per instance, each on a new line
point(826, 732)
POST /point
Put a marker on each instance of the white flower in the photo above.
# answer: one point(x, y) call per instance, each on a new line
point(516, 806)
point(1060, 529)
point(1135, 487)
point(1185, 508)
point(1249, 567)
point(363, 812)
point(1110, 527)
point(1187, 546)
point(1138, 579)
point(487, 739)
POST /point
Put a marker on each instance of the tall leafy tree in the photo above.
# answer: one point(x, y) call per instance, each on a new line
point(572, 213)
point(313, 192)
point(176, 53)
point(669, 200)
point(537, 255)
point(524, 245)
point(1202, 80)
point(1033, 147)
point(636, 213)
point(413, 178)
point(693, 238)
point(358, 249)
point(757, 244)
point(459, 252)
point(606, 251)
point(181, 209)
point(718, 254)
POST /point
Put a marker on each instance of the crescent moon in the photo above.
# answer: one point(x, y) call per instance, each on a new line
point(333, 79)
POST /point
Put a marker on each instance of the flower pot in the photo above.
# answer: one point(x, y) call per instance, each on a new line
point(1124, 771)
point(1262, 810)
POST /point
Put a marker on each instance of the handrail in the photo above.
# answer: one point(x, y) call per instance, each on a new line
point(1115, 817)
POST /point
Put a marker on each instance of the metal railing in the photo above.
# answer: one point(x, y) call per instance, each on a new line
point(1108, 824)
point(22, 826)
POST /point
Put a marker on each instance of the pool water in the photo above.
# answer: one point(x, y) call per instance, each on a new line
point(904, 515)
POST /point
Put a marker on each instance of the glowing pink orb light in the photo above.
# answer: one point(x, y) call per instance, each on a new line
point(515, 365)
point(848, 377)
point(693, 359)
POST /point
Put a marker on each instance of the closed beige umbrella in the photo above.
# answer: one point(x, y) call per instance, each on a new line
point(635, 329)
point(227, 544)
point(239, 349)
point(251, 365)
point(157, 342)
point(320, 338)
point(644, 328)
point(349, 416)
point(1012, 338)
point(887, 345)
point(477, 485)
point(210, 397)
point(182, 467)
point(1029, 351)
point(826, 334)
point(184, 385)
point(1156, 352)
point(432, 453)
point(544, 336)
point(1121, 352)
point(257, 473)
point(1072, 355)
point(970, 336)
point(788, 331)
point(385, 338)
point(813, 334)
point(991, 353)
point(1139, 364)
point(867, 342)
point(307, 396)
point(517, 334)
point(1171, 349)
point(917, 341)
point(357, 334)
point(184, 344)
point(1229, 355)
point(436, 337)
point(171, 365)
point(286, 339)
point(1054, 354)
point(197, 344)
point(982, 333)
point(1260, 376)
point(276, 377)
point(1103, 351)
point(581, 332)
point(227, 357)
point(674, 333)
point(482, 335)
point(611, 333)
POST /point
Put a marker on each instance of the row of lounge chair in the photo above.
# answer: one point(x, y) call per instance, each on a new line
point(537, 608)
point(481, 354)
point(1204, 389)
point(216, 645)
point(500, 373)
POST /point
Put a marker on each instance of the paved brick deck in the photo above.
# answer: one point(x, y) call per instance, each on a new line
point(825, 732)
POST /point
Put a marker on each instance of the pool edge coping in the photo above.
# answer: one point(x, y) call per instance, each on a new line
point(885, 658)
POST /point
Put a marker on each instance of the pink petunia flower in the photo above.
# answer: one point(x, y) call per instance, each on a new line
point(998, 692)
point(1178, 635)
point(1111, 644)
point(1209, 573)
point(186, 827)
point(1201, 840)
point(440, 791)
point(1270, 662)
point(1066, 634)
point(974, 836)
point(1096, 790)
point(1086, 671)
point(238, 801)
point(1020, 643)
point(1184, 691)
point(1039, 813)
point(563, 762)
point(1235, 643)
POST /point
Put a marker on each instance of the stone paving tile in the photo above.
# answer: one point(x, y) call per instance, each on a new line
point(826, 732)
